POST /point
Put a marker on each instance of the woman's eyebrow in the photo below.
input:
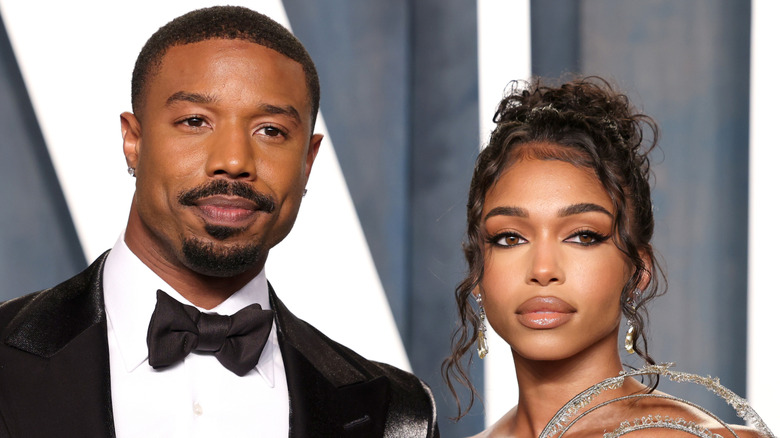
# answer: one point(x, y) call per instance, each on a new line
point(584, 207)
point(507, 211)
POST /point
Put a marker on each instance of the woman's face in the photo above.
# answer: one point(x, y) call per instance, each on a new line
point(553, 276)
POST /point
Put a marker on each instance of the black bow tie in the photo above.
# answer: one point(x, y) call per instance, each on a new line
point(176, 329)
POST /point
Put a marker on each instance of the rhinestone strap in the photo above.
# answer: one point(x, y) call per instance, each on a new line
point(562, 420)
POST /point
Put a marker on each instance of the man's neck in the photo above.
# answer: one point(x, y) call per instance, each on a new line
point(203, 291)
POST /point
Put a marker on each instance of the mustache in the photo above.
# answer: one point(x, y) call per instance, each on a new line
point(264, 202)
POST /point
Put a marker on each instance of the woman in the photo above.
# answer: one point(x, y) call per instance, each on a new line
point(559, 227)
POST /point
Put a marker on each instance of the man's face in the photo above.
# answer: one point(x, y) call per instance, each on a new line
point(222, 151)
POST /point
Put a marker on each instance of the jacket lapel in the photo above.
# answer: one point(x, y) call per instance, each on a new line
point(56, 361)
point(331, 393)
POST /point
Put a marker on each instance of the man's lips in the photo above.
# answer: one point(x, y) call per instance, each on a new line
point(231, 211)
point(226, 194)
point(544, 312)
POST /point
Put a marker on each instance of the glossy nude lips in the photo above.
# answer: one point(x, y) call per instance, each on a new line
point(544, 312)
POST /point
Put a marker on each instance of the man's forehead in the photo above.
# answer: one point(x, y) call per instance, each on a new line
point(223, 44)
point(184, 61)
point(186, 58)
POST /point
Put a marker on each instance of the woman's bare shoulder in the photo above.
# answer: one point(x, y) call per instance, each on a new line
point(678, 411)
point(658, 407)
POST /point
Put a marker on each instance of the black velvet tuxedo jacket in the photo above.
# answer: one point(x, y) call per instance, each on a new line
point(55, 379)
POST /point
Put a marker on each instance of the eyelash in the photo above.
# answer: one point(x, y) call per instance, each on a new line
point(494, 240)
point(596, 236)
point(280, 132)
point(185, 120)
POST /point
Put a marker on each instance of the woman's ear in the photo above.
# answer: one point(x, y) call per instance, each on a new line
point(646, 275)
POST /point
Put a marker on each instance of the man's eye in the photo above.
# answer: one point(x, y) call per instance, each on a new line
point(270, 131)
point(194, 122)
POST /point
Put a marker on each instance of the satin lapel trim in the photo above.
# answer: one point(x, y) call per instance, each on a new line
point(317, 408)
point(56, 316)
point(310, 343)
point(330, 395)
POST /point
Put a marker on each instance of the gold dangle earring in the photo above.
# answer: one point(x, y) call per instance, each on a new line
point(630, 336)
point(631, 332)
point(482, 347)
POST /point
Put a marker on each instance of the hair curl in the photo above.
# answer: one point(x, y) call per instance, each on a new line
point(222, 22)
point(587, 123)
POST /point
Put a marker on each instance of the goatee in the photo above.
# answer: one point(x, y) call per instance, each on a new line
point(206, 258)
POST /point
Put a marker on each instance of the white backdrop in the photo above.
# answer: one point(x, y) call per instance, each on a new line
point(763, 256)
point(504, 27)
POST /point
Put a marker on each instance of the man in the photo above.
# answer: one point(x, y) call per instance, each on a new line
point(221, 143)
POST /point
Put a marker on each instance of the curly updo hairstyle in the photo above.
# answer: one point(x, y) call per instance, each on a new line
point(587, 123)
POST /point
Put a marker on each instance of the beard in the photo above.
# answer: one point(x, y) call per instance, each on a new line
point(223, 259)
point(226, 260)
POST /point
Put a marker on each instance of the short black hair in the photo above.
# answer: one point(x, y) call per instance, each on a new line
point(222, 22)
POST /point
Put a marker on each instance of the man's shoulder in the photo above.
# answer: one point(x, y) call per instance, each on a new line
point(411, 406)
point(411, 410)
point(402, 381)
point(9, 309)
point(74, 301)
point(300, 333)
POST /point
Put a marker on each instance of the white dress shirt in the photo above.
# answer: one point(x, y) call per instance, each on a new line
point(197, 397)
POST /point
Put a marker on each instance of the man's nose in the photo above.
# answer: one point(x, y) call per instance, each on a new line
point(232, 154)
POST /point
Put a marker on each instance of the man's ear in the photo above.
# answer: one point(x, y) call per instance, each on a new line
point(131, 138)
point(311, 153)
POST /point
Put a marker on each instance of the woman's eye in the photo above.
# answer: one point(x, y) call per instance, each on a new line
point(586, 238)
point(507, 239)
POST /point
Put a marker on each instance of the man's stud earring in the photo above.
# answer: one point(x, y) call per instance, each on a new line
point(131, 171)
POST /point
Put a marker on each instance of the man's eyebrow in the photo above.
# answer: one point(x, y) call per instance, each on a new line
point(507, 211)
point(286, 110)
point(183, 96)
point(584, 207)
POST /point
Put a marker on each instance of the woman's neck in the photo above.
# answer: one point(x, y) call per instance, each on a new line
point(545, 386)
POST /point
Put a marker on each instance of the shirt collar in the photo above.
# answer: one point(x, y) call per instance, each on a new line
point(130, 288)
